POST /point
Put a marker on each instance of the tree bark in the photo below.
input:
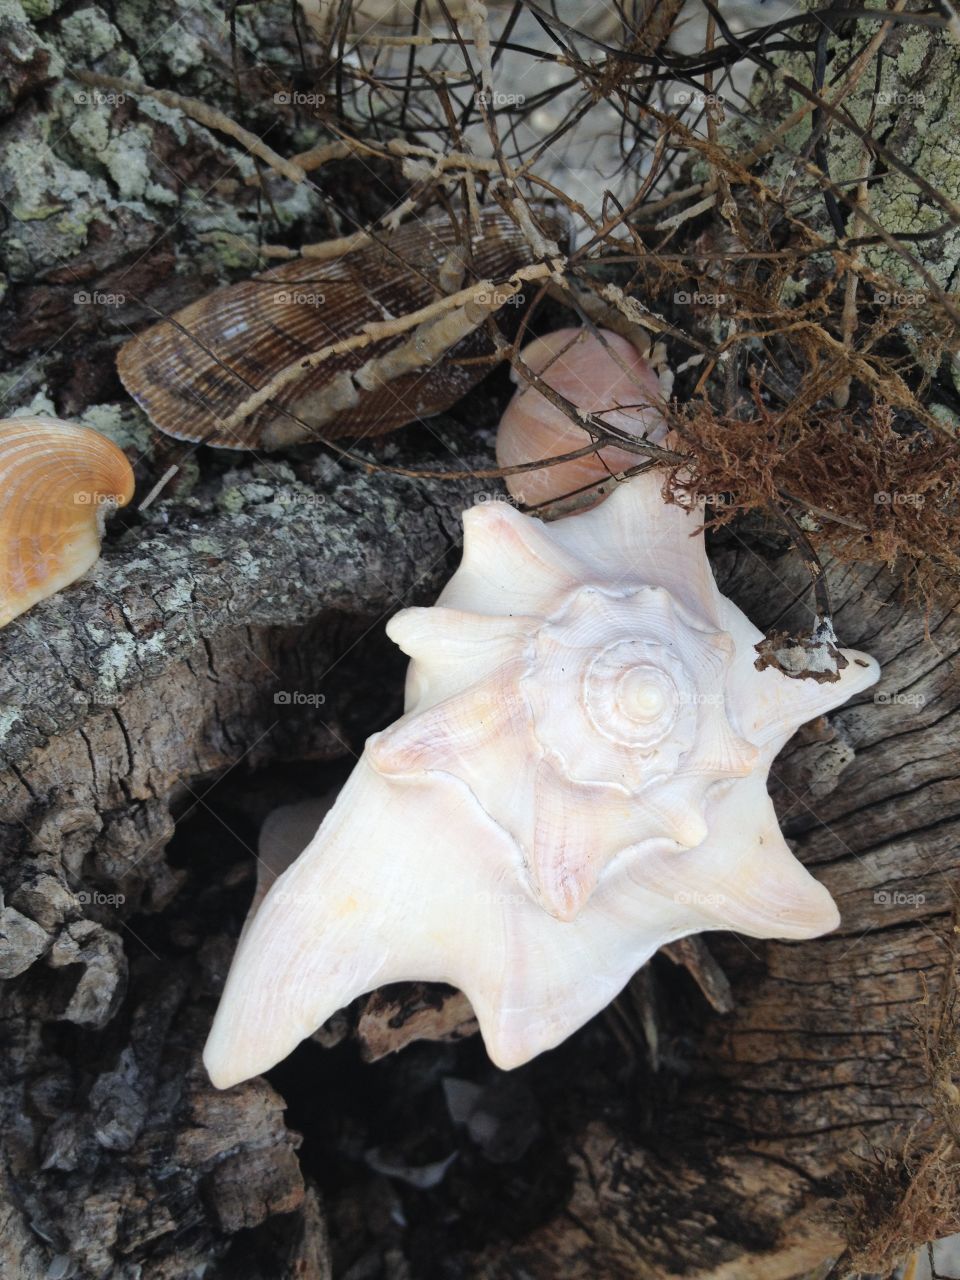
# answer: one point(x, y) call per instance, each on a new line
point(123, 698)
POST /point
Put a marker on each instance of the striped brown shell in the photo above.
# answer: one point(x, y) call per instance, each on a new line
point(191, 372)
point(57, 482)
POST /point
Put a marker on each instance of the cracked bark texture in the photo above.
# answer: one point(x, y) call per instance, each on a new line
point(142, 741)
point(180, 658)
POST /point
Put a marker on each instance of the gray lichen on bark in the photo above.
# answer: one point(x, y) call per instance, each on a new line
point(904, 100)
point(117, 208)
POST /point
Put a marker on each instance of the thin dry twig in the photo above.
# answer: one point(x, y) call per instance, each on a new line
point(199, 111)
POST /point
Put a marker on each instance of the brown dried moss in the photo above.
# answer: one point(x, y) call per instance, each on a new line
point(868, 490)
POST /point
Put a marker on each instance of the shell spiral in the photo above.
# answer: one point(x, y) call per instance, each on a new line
point(618, 694)
point(578, 778)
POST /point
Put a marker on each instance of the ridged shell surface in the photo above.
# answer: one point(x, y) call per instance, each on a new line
point(57, 482)
point(579, 778)
point(189, 374)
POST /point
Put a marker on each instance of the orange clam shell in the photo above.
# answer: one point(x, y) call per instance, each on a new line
point(58, 480)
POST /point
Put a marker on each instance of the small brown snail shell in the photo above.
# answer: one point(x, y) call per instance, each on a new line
point(191, 373)
point(58, 481)
point(583, 371)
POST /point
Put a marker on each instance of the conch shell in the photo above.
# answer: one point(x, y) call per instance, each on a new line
point(58, 481)
point(191, 374)
point(579, 778)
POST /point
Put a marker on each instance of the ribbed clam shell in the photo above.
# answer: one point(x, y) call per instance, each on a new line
point(57, 481)
point(190, 373)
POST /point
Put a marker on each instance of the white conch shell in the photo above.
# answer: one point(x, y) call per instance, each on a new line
point(605, 376)
point(580, 777)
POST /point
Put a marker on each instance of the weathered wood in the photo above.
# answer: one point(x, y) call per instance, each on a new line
point(124, 697)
